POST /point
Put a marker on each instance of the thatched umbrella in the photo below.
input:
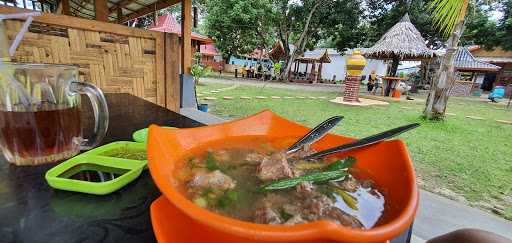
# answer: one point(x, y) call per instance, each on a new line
point(402, 42)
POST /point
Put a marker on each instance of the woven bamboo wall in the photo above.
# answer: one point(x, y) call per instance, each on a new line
point(116, 58)
point(112, 62)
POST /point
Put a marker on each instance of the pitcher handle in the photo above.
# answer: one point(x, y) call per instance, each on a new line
point(100, 110)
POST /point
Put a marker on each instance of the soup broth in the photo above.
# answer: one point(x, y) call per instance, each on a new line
point(263, 185)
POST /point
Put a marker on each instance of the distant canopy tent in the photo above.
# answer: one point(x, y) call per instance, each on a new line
point(312, 76)
point(402, 42)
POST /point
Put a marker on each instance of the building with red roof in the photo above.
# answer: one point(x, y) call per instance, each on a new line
point(167, 23)
point(210, 56)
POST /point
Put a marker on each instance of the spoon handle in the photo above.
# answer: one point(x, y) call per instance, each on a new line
point(364, 141)
point(315, 134)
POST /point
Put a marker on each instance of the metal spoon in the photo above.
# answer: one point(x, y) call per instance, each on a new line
point(315, 134)
point(373, 139)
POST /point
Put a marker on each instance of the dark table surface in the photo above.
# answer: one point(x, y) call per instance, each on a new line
point(31, 211)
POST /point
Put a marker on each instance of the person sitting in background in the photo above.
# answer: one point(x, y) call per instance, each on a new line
point(244, 71)
point(252, 71)
point(269, 72)
point(372, 79)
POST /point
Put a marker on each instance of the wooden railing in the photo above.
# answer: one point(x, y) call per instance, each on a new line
point(114, 57)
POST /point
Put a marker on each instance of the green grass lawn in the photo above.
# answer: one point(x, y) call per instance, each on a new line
point(472, 158)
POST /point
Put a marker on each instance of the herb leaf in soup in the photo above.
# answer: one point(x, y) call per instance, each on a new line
point(312, 177)
point(284, 215)
point(201, 202)
point(347, 198)
point(327, 191)
point(342, 164)
point(211, 162)
point(227, 199)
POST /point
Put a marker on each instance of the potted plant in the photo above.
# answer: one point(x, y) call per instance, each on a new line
point(198, 71)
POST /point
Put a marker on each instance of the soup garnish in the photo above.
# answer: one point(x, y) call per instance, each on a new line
point(269, 187)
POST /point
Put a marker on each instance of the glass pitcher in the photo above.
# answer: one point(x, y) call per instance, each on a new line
point(40, 113)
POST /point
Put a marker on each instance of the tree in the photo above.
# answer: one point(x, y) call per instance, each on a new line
point(383, 14)
point(240, 26)
point(480, 29)
point(301, 42)
point(309, 22)
point(449, 16)
point(340, 22)
point(505, 26)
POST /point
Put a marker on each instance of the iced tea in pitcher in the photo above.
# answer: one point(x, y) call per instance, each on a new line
point(40, 116)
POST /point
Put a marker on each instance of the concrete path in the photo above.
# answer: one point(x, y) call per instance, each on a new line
point(292, 86)
point(438, 215)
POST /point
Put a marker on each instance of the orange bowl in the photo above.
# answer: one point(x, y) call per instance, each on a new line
point(387, 163)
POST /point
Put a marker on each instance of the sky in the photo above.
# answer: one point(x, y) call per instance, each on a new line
point(496, 15)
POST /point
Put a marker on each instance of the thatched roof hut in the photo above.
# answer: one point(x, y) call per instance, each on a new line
point(402, 41)
point(324, 58)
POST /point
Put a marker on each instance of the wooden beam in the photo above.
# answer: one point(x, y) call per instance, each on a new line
point(79, 9)
point(149, 9)
point(78, 12)
point(121, 4)
point(101, 10)
point(85, 24)
point(65, 7)
point(186, 36)
point(119, 14)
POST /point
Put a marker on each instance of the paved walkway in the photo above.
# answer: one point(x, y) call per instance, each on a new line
point(280, 85)
point(438, 215)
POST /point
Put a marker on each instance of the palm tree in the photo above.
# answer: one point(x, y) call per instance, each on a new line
point(449, 16)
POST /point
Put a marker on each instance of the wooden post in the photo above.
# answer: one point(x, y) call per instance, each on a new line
point(186, 33)
point(101, 10)
point(65, 7)
point(155, 17)
point(172, 72)
point(320, 72)
point(119, 15)
point(312, 75)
